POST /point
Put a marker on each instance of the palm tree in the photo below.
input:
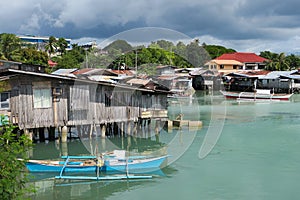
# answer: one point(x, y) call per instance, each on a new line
point(62, 45)
point(277, 62)
point(51, 45)
point(280, 62)
point(8, 44)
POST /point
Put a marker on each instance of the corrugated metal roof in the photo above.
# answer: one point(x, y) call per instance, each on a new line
point(136, 81)
point(83, 71)
point(166, 77)
point(81, 80)
point(64, 72)
point(275, 74)
point(102, 78)
point(250, 74)
point(202, 71)
point(291, 76)
point(123, 72)
point(164, 66)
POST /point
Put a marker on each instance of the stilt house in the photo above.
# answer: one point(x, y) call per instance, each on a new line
point(34, 99)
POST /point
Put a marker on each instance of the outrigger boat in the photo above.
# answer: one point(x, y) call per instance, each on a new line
point(257, 95)
point(88, 164)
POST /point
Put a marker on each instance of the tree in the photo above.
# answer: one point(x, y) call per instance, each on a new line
point(31, 56)
point(180, 50)
point(166, 45)
point(215, 51)
point(9, 43)
point(51, 45)
point(62, 45)
point(196, 54)
point(275, 62)
point(12, 162)
point(293, 61)
point(71, 59)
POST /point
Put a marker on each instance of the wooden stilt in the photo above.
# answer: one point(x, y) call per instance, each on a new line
point(135, 128)
point(103, 131)
point(64, 148)
point(64, 134)
point(51, 134)
point(129, 128)
point(157, 127)
point(122, 128)
point(91, 131)
point(29, 134)
point(41, 134)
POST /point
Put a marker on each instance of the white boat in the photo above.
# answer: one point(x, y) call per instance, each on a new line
point(259, 94)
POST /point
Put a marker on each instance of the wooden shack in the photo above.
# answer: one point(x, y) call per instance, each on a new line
point(36, 100)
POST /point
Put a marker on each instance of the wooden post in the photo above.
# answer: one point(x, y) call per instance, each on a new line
point(64, 134)
point(116, 128)
point(41, 134)
point(149, 127)
point(135, 128)
point(64, 148)
point(29, 134)
point(170, 126)
point(122, 128)
point(157, 127)
point(51, 134)
point(128, 128)
point(103, 131)
point(91, 130)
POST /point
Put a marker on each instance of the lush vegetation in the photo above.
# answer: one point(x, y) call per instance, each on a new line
point(12, 162)
point(120, 54)
point(161, 52)
point(216, 50)
point(280, 62)
point(11, 48)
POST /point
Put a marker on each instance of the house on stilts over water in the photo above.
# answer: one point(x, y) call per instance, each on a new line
point(36, 102)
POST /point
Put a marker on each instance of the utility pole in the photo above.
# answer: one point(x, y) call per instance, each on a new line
point(136, 63)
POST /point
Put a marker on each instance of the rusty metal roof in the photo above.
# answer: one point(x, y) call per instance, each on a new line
point(136, 81)
point(123, 72)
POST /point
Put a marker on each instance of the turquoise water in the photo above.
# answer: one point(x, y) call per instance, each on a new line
point(256, 156)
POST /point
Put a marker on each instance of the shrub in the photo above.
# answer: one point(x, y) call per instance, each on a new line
point(13, 157)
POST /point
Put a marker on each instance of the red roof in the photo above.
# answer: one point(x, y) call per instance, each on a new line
point(242, 57)
point(51, 63)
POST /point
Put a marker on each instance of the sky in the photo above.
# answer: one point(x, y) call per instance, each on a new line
point(244, 25)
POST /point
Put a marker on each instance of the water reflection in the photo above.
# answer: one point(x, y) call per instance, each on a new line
point(49, 188)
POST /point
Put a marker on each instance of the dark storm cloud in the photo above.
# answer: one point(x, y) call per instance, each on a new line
point(232, 22)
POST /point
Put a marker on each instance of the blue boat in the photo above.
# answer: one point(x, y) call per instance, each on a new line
point(85, 164)
point(136, 165)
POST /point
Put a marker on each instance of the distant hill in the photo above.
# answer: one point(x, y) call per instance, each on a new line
point(120, 45)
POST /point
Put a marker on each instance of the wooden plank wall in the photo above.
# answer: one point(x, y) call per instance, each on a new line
point(79, 104)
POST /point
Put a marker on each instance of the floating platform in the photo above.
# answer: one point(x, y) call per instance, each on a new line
point(188, 123)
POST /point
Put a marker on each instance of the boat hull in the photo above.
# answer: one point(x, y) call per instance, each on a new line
point(135, 165)
point(36, 167)
point(256, 96)
point(109, 166)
